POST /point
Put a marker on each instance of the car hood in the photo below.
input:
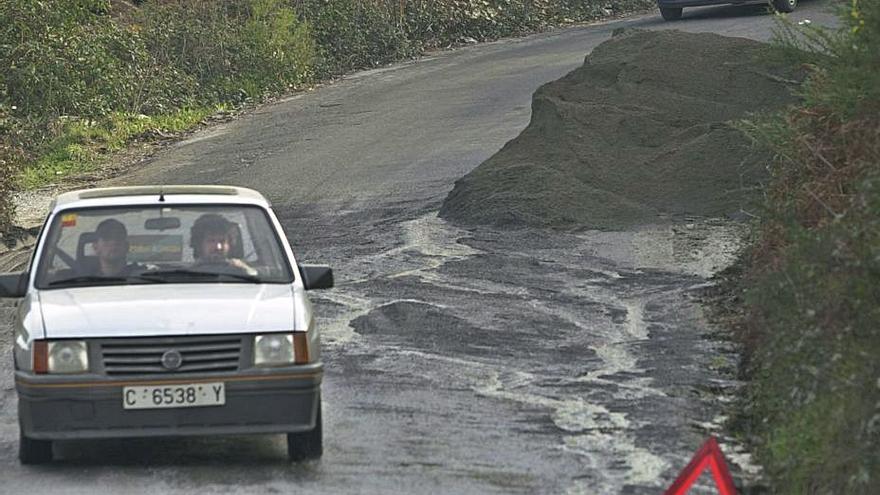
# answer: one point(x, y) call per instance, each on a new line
point(166, 309)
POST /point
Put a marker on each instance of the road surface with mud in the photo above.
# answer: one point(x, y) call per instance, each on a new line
point(457, 361)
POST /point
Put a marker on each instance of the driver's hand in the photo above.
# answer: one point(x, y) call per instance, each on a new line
point(242, 265)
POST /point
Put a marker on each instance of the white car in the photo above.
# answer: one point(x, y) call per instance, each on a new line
point(165, 310)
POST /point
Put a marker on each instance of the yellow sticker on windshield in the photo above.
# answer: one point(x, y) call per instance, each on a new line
point(68, 220)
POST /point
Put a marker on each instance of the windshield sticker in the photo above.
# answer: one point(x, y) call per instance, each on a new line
point(68, 220)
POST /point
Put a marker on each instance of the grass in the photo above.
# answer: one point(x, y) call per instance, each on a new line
point(84, 145)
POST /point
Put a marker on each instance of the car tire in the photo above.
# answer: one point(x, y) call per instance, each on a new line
point(673, 13)
point(31, 451)
point(306, 445)
point(784, 5)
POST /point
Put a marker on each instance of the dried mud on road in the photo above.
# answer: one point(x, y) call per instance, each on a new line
point(641, 133)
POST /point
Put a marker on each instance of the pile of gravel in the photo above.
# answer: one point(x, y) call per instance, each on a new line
point(639, 133)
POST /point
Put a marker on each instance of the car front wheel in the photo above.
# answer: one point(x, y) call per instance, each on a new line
point(32, 451)
point(784, 5)
point(308, 444)
point(674, 13)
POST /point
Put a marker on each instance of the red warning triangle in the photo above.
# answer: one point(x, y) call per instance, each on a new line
point(708, 455)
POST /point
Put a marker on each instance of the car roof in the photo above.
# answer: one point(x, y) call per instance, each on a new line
point(146, 195)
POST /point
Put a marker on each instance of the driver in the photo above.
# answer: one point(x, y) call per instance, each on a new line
point(211, 238)
point(111, 248)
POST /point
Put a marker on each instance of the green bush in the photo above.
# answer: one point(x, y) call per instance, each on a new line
point(845, 62)
point(228, 50)
point(9, 162)
point(70, 58)
point(812, 289)
point(356, 34)
point(71, 69)
point(62, 58)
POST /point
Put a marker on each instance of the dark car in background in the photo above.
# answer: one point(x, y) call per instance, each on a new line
point(671, 9)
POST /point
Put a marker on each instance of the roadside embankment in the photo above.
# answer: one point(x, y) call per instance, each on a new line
point(807, 303)
point(641, 132)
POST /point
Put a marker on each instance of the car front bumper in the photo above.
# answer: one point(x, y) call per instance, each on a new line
point(279, 400)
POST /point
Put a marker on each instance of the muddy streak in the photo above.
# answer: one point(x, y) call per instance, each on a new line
point(430, 243)
point(429, 239)
point(590, 427)
point(700, 247)
point(600, 438)
point(604, 317)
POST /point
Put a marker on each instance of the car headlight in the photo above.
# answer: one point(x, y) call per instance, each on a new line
point(274, 349)
point(66, 356)
point(279, 349)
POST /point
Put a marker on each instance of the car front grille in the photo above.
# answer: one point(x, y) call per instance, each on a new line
point(144, 356)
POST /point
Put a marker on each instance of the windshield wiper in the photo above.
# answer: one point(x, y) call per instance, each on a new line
point(84, 279)
point(160, 274)
point(101, 280)
point(242, 276)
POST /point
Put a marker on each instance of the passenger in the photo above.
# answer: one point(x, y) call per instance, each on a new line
point(211, 238)
point(111, 248)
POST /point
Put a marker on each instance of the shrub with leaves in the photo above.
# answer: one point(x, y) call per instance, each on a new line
point(10, 158)
point(73, 71)
point(813, 284)
point(365, 33)
point(63, 58)
point(229, 50)
point(356, 34)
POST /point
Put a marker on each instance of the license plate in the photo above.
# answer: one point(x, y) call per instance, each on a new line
point(165, 396)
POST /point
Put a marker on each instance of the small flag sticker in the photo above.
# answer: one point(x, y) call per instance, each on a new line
point(68, 220)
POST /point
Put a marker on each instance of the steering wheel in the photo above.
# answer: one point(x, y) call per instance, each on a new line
point(75, 266)
point(220, 267)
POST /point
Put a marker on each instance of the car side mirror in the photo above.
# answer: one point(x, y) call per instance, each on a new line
point(316, 276)
point(14, 284)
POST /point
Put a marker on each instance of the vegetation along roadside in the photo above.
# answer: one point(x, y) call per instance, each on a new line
point(807, 296)
point(84, 78)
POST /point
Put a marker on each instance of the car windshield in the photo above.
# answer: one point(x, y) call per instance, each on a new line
point(161, 244)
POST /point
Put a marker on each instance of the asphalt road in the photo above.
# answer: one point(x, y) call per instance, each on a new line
point(456, 361)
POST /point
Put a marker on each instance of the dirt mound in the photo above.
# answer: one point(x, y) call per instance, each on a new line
point(639, 133)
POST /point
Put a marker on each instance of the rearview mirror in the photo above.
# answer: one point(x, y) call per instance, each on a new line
point(14, 284)
point(316, 276)
point(162, 223)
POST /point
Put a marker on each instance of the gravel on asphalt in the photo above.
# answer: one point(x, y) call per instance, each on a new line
point(642, 132)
